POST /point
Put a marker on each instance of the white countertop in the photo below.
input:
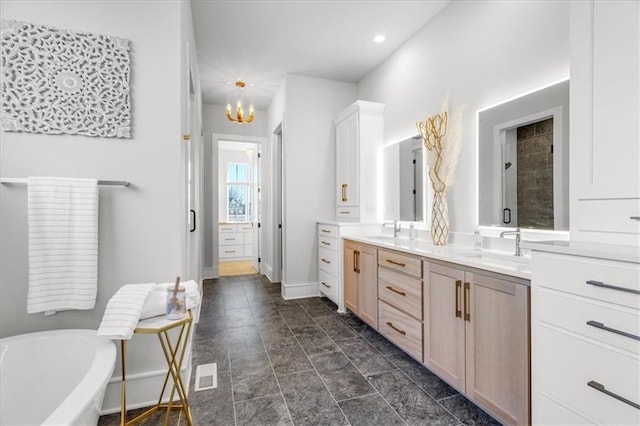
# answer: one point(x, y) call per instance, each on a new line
point(587, 249)
point(489, 260)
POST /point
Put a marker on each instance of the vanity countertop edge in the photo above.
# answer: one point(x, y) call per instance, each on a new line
point(487, 260)
point(587, 249)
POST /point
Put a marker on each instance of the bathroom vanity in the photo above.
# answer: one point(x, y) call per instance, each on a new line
point(463, 314)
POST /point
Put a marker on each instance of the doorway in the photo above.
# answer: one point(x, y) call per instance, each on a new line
point(238, 205)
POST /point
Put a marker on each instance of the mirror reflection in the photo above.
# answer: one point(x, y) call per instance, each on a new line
point(523, 150)
point(404, 180)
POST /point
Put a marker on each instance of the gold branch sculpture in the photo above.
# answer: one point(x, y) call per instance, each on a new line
point(442, 140)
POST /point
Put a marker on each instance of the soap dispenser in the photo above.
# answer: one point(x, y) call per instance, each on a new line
point(477, 240)
point(412, 231)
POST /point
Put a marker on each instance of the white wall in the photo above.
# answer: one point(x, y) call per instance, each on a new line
point(309, 163)
point(479, 53)
point(141, 227)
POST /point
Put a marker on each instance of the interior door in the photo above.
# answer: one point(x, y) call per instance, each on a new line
point(257, 211)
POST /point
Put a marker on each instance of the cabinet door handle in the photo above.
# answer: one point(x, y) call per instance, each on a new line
point(467, 294)
point(401, 293)
point(325, 260)
point(193, 215)
point(357, 261)
point(393, 262)
point(326, 285)
point(634, 217)
point(601, 326)
point(390, 324)
point(600, 387)
point(613, 287)
point(344, 193)
point(458, 289)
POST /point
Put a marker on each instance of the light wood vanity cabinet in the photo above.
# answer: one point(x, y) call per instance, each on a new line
point(476, 337)
point(400, 300)
point(361, 281)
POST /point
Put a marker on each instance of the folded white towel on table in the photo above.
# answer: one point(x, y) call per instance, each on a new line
point(123, 311)
point(156, 303)
point(63, 243)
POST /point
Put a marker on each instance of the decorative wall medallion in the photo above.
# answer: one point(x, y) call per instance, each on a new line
point(59, 81)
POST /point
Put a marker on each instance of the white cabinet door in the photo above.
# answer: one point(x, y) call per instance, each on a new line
point(605, 121)
point(347, 161)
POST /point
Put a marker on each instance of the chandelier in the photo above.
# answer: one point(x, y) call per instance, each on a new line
point(239, 113)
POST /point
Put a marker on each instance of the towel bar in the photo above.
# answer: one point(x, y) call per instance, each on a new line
point(100, 182)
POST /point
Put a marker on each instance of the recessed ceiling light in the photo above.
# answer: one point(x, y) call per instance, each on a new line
point(379, 38)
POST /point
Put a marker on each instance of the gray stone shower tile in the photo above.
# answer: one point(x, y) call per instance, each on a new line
point(412, 404)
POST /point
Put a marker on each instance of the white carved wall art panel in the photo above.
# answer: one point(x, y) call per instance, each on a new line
point(58, 81)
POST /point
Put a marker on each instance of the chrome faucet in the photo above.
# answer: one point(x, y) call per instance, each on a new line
point(396, 227)
point(517, 234)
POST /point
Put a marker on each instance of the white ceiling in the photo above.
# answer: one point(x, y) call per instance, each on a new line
point(262, 41)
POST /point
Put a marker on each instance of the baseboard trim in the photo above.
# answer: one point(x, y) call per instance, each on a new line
point(209, 273)
point(143, 390)
point(300, 291)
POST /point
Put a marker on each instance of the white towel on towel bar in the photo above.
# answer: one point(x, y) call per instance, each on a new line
point(63, 243)
point(123, 311)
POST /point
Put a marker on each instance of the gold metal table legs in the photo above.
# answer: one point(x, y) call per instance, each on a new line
point(174, 355)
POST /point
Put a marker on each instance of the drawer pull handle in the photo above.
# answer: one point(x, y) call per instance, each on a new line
point(325, 243)
point(390, 324)
point(401, 293)
point(326, 231)
point(326, 285)
point(325, 260)
point(229, 251)
point(599, 387)
point(601, 326)
point(342, 212)
point(613, 287)
point(634, 217)
point(458, 308)
point(229, 239)
point(393, 262)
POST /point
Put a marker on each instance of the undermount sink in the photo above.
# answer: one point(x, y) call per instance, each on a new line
point(380, 237)
point(486, 257)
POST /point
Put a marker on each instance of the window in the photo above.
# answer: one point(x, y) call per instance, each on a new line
point(239, 202)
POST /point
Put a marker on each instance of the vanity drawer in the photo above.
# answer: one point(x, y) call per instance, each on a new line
point(327, 230)
point(231, 238)
point(346, 213)
point(328, 260)
point(401, 329)
point(328, 242)
point(570, 363)
point(401, 262)
point(401, 291)
point(609, 216)
point(328, 285)
point(227, 228)
point(231, 251)
point(572, 313)
point(570, 274)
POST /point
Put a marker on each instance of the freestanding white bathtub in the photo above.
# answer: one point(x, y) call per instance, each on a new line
point(54, 377)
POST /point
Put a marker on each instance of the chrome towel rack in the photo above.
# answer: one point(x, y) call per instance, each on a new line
point(125, 183)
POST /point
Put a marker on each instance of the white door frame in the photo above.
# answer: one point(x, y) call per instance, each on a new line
point(278, 205)
point(215, 139)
